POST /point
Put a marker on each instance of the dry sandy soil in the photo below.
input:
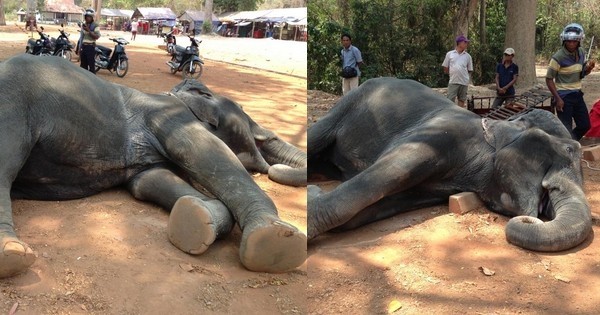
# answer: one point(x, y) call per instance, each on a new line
point(432, 261)
point(109, 254)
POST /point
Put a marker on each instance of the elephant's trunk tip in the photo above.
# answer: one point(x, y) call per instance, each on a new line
point(287, 175)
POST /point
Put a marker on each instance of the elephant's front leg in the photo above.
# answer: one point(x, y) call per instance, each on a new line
point(15, 255)
point(268, 243)
point(195, 221)
point(350, 203)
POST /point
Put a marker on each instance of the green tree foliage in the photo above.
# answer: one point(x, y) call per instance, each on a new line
point(409, 38)
point(487, 54)
point(323, 46)
point(236, 5)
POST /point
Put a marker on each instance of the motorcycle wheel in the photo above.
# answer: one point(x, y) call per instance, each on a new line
point(194, 73)
point(97, 61)
point(172, 69)
point(122, 67)
point(66, 54)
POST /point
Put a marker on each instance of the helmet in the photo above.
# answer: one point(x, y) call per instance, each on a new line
point(572, 31)
point(89, 12)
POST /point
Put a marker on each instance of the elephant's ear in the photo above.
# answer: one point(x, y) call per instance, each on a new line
point(206, 111)
point(499, 133)
point(194, 87)
point(199, 99)
point(544, 120)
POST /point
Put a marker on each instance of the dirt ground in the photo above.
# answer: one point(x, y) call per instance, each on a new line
point(109, 254)
point(431, 261)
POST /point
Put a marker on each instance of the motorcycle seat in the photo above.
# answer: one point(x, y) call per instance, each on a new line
point(105, 50)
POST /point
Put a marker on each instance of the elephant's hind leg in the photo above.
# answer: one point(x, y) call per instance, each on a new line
point(196, 220)
point(194, 224)
point(391, 206)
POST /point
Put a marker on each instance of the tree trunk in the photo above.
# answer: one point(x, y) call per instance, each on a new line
point(97, 6)
point(31, 7)
point(208, 11)
point(520, 35)
point(465, 12)
point(482, 28)
point(2, 18)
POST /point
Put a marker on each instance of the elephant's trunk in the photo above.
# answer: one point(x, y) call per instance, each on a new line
point(570, 226)
point(289, 164)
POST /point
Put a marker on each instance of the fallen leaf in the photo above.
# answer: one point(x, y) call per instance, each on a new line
point(432, 280)
point(546, 265)
point(13, 309)
point(186, 267)
point(562, 279)
point(487, 272)
point(394, 306)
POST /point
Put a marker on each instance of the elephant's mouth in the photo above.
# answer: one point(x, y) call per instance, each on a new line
point(545, 206)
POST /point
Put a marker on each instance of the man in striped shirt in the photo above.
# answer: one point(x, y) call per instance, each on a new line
point(563, 78)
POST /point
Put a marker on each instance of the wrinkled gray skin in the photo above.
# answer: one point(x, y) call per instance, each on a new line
point(69, 134)
point(398, 145)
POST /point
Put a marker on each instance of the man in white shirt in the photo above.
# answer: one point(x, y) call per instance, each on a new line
point(459, 65)
point(134, 28)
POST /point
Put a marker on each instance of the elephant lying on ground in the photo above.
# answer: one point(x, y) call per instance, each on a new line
point(397, 145)
point(77, 138)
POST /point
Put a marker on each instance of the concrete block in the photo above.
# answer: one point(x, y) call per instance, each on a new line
point(591, 152)
point(464, 202)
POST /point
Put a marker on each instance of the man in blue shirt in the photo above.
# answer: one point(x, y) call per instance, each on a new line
point(507, 73)
point(351, 57)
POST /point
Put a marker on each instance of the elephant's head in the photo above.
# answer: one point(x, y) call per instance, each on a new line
point(257, 148)
point(537, 171)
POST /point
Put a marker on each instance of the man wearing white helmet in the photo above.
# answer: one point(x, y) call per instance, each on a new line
point(86, 46)
point(563, 78)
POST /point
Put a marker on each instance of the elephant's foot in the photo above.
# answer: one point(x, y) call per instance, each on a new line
point(312, 193)
point(15, 257)
point(195, 224)
point(272, 246)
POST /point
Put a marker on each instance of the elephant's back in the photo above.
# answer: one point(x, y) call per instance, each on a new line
point(29, 79)
point(385, 106)
point(384, 111)
point(394, 100)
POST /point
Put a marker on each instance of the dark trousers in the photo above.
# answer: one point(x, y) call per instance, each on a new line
point(87, 57)
point(575, 110)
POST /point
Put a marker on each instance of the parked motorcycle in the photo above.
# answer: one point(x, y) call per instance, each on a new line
point(41, 46)
point(62, 47)
point(118, 61)
point(170, 40)
point(187, 60)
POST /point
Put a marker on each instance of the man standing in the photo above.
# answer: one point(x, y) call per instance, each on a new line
point(86, 46)
point(351, 60)
point(507, 73)
point(563, 78)
point(459, 65)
